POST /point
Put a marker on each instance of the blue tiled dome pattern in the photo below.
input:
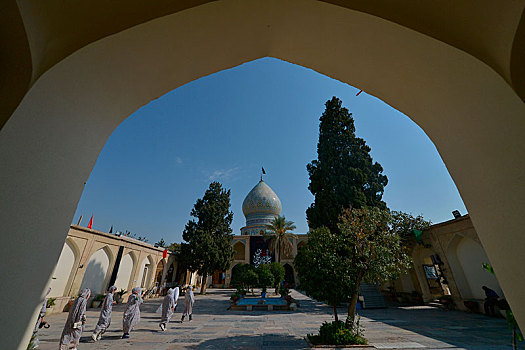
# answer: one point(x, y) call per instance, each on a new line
point(261, 200)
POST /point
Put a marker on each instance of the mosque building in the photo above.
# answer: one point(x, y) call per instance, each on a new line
point(260, 207)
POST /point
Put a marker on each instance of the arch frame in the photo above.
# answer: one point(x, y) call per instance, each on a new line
point(462, 93)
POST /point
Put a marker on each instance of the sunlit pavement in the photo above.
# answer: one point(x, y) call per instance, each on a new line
point(215, 327)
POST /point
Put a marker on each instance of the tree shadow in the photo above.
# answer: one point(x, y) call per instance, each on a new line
point(93, 277)
point(266, 341)
point(457, 328)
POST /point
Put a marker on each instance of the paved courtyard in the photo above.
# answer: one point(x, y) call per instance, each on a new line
point(215, 327)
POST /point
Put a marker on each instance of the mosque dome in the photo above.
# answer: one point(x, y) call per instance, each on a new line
point(261, 200)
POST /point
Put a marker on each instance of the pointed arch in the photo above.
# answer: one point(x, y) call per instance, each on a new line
point(239, 251)
point(98, 270)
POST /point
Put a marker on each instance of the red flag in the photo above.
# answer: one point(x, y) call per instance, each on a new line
point(90, 225)
point(165, 253)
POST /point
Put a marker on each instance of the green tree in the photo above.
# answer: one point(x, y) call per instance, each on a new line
point(373, 247)
point(209, 238)
point(278, 274)
point(344, 174)
point(161, 243)
point(174, 247)
point(245, 276)
point(404, 225)
point(279, 236)
point(324, 268)
point(265, 276)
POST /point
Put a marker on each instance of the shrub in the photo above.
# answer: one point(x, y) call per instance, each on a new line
point(265, 276)
point(278, 274)
point(244, 275)
point(98, 297)
point(336, 333)
point(283, 291)
point(50, 302)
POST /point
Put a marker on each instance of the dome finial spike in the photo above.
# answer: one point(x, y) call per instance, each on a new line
point(262, 173)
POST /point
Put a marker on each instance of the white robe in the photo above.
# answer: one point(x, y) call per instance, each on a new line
point(189, 300)
point(132, 314)
point(71, 335)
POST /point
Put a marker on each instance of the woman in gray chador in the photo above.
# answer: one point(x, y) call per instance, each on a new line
point(168, 307)
point(189, 299)
point(75, 322)
point(40, 322)
point(104, 319)
point(132, 314)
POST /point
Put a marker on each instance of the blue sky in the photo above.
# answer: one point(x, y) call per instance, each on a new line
point(224, 127)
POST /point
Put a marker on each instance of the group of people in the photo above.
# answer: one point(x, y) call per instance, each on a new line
point(77, 314)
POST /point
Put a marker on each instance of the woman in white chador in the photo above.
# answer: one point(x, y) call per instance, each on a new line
point(168, 307)
point(75, 322)
point(189, 299)
point(104, 319)
point(132, 314)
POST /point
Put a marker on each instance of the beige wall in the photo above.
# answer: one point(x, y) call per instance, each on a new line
point(88, 259)
point(458, 245)
point(455, 78)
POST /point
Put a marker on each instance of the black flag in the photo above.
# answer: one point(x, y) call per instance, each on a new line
point(264, 172)
point(111, 229)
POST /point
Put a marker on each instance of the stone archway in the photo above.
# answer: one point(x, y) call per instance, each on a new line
point(466, 258)
point(239, 251)
point(61, 276)
point(125, 271)
point(73, 95)
point(159, 272)
point(289, 275)
point(97, 270)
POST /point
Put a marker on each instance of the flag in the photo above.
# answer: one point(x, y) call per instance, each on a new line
point(165, 253)
point(264, 172)
point(418, 234)
point(111, 229)
point(90, 225)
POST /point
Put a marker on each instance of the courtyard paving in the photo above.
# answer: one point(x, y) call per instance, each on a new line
point(216, 327)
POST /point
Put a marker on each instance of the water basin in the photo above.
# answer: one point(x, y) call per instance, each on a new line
point(267, 301)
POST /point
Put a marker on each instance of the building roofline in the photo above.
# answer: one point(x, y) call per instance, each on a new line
point(444, 223)
point(118, 238)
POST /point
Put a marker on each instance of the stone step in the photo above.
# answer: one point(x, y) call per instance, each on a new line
point(372, 296)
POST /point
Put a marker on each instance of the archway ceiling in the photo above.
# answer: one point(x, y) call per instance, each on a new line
point(39, 34)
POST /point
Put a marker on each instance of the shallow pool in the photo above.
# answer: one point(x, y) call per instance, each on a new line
point(255, 301)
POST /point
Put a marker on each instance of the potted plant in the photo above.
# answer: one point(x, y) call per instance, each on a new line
point(284, 292)
point(97, 300)
point(119, 296)
point(234, 298)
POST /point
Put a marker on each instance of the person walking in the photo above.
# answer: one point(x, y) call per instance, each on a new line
point(189, 300)
point(41, 322)
point(132, 314)
point(104, 320)
point(75, 322)
point(168, 307)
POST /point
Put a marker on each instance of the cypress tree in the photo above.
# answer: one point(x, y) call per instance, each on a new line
point(344, 175)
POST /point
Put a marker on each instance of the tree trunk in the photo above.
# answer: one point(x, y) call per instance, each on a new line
point(203, 283)
point(335, 314)
point(351, 309)
point(353, 301)
point(279, 251)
